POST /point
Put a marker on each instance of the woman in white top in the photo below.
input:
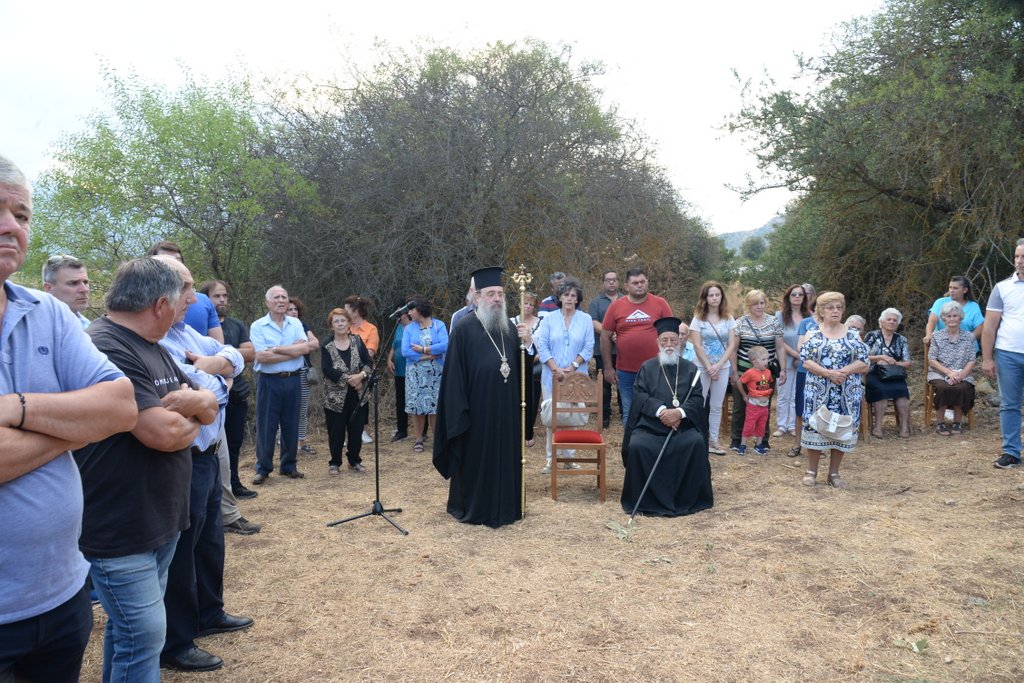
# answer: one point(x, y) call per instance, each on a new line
point(794, 309)
point(714, 344)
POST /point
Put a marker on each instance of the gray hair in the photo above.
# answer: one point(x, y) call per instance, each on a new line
point(857, 318)
point(890, 311)
point(267, 295)
point(951, 307)
point(140, 283)
point(55, 263)
point(809, 290)
point(10, 174)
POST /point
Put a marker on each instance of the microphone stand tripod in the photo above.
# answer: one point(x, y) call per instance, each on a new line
point(373, 381)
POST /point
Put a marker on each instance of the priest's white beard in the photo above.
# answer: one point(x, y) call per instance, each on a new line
point(494, 319)
point(669, 356)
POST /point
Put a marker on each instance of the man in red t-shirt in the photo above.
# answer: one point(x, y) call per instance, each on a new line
point(630, 319)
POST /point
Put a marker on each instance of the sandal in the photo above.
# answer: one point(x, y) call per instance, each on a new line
point(793, 452)
point(307, 449)
point(418, 447)
point(716, 449)
point(877, 434)
point(956, 428)
point(810, 478)
point(835, 481)
point(779, 432)
point(941, 429)
point(529, 443)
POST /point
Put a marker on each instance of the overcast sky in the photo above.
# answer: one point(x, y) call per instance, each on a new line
point(669, 66)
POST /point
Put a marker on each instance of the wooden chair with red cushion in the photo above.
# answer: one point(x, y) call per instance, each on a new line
point(578, 394)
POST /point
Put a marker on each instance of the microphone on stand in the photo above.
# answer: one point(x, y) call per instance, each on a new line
point(402, 310)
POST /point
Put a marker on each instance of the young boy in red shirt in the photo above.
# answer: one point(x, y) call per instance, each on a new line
point(758, 385)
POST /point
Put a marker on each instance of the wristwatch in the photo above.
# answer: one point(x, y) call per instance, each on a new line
point(575, 365)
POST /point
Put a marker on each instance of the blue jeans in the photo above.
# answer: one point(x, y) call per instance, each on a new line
point(1010, 373)
point(131, 590)
point(626, 381)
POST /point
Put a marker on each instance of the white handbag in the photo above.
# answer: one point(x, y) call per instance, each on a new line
point(832, 424)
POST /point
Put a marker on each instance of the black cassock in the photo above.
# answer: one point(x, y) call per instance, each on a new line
point(477, 440)
point(682, 482)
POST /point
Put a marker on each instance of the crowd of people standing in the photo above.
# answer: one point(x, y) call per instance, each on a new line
point(127, 428)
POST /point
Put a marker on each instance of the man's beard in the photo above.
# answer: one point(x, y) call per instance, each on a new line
point(222, 310)
point(494, 319)
point(668, 356)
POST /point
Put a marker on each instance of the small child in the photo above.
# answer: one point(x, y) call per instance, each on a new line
point(758, 385)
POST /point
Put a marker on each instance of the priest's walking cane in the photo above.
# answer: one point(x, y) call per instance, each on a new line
point(671, 433)
point(522, 278)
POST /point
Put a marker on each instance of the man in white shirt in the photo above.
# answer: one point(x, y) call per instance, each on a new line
point(1002, 352)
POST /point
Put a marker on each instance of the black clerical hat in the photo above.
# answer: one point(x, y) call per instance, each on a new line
point(487, 277)
point(669, 324)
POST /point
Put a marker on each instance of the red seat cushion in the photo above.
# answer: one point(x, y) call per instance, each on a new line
point(577, 436)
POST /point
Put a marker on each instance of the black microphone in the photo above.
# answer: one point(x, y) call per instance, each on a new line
point(402, 310)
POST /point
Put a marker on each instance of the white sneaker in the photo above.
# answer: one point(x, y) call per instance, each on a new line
point(547, 468)
point(367, 438)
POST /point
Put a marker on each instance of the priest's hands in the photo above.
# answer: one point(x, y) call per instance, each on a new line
point(671, 418)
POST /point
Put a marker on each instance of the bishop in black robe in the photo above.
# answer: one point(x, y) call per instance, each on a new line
point(478, 438)
point(682, 481)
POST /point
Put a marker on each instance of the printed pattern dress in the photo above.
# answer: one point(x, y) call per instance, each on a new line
point(422, 380)
point(842, 398)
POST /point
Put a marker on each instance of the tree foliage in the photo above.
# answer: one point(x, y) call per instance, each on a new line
point(404, 181)
point(907, 152)
point(439, 163)
point(188, 166)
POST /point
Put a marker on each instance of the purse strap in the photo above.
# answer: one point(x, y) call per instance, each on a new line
point(720, 340)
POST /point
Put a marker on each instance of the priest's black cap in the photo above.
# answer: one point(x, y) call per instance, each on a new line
point(669, 324)
point(487, 277)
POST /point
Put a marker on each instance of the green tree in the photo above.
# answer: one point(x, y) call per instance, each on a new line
point(189, 166)
point(907, 151)
point(753, 248)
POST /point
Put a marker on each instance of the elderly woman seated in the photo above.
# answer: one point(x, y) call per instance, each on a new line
point(889, 355)
point(950, 363)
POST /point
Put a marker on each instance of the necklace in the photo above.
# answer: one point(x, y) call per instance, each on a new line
point(504, 368)
point(672, 387)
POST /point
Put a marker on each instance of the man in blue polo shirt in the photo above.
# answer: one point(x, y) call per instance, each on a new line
point(56, 392)
point(280, 343)
point(1002, 352)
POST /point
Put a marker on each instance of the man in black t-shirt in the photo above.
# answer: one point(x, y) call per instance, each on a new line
point(136, 484)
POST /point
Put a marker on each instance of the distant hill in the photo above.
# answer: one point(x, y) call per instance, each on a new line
point(733, 240)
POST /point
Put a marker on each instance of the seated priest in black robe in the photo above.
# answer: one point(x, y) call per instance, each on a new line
point(478, 437)
point(667, 399)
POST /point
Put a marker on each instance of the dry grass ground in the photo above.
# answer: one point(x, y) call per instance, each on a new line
point(778, 582)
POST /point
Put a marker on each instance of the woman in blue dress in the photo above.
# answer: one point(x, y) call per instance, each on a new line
point(424, 343)
point(565, 343)
point(834, 358)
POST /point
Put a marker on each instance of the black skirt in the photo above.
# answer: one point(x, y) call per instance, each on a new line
point(877, 390)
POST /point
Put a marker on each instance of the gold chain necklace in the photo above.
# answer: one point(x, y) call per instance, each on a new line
point(504, 369)
point(672, 387)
